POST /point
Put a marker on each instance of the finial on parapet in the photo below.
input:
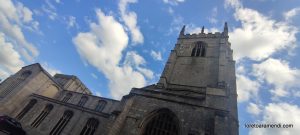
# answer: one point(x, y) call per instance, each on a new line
point(182, 31)
point(225, 29)
point(202, 30)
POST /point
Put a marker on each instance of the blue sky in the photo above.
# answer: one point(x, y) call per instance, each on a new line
point(113, 46)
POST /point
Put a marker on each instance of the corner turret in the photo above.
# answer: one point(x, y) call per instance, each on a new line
point(182, 31)
point(225, 31)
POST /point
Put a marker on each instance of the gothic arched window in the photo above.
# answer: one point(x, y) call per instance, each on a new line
point(90, 127)
point(42, 116)
point(199, 49)
point(100, 106)
point(67, 97)
point(26, 109)
point(63, 121)
point(82, 101)
point(163, 122)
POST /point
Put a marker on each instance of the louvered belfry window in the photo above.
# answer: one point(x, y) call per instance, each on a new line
point(199, 49)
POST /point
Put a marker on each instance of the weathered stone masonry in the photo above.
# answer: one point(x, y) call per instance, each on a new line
point(195, 95)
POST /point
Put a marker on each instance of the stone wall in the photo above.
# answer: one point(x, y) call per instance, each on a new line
point(74, 126)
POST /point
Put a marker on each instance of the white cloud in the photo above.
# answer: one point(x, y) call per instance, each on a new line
point(146, 72)
point(156, 55)
point(10, 59)
point(94, 76)
point(14, 17)
point(176, 25)
point(3, 75)
point(49, 9)
point(173, 2)
point(212, 18)
point(98, 94)
point(279, 113)
point(255, 38)
point(246, 88)
point(279, 74)
point(258, 38)
point(291, 13)
point(71, 22)
point(233, 3)
point(25, 13)
point(253, 109)
point(132, 58)
point(50, 69)
point(50, 5)
point(136, 61)
point(170, 10)
point(52, 15)
point(102, 47)
point(130, 19)
point(240, 69)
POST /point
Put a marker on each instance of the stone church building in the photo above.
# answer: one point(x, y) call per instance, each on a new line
point(195, 95)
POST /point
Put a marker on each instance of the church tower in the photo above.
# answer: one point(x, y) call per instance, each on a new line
point(196, 93)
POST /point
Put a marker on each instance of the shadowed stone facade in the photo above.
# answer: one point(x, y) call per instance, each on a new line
point(196, 95)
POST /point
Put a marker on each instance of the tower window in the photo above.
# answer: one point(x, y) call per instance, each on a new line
point(82, 101)
point(42, 116)
point(100, 106)
point(63, 121)
point(67, 97)
point(26, 109)
point(163, 123)
point(199, 49)
point(90, 127)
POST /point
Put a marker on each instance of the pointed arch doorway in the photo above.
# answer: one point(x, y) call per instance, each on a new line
point(161, 122)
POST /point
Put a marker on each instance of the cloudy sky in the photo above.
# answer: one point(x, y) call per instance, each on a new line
point(113, 46)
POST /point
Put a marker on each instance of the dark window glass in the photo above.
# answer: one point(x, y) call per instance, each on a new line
point(193, 51)
point(26, 109)
point(199, 49)
point(67, 97)
point(82, 101)
point(42, 116)
point(163, 123)
point(90, 127)
point(25, 74)
point(100, 106)
point(63, 121)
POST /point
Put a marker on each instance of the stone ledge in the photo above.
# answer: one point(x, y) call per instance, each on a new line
point(106, 115)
